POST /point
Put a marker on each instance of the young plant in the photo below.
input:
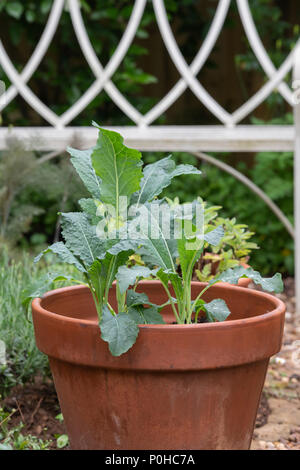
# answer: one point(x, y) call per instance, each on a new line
point(232, 250)
point(124, 217)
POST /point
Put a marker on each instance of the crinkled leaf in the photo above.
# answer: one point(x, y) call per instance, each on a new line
point(119, 331)
point(144, 316)
point(90, 206)
point(63, 253)
point(128, 276)
point(232, 276)
point(118, 166)
point(124, 245)
point(147, 238)
point(81, 238)
point(136, 298)
point(82, 162)
point(217, 310)
point(151, 230)
point(214, 236)
point(169, 276)
point(157, 176)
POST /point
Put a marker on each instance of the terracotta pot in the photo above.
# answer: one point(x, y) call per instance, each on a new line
point(244, 282)
point(179, 387)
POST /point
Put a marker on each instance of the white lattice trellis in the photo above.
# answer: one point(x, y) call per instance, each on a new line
point(228, 136)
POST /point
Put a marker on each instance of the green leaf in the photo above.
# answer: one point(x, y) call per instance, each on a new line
point(62, 441)
point(214, 236)
point(217, 310)
point(147, 237)
point(118, 166)
point(157, 176)
point(198, 305)
point(63, 253)
point(166, 276)
point(144, 316)
point(45, 6)
point(157, 246)
point(119, 331)
point(137, 298)
point(59, 417)
point(81, 238)
point(30, 16)
point(89, 206)
point(124, 245)
point(82, 162)
point(232, 276)
point(14, 9)
point(128, 276)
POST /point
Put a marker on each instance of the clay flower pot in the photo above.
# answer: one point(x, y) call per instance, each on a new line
point(179, 387)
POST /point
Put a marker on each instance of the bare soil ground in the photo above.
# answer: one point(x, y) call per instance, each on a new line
point(278, 419)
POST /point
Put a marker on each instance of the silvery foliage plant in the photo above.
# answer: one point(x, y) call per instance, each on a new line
point(124, 216)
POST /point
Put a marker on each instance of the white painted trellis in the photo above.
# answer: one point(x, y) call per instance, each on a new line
point(228, 136)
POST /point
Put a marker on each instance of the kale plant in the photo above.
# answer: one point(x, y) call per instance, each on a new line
point(124, 217)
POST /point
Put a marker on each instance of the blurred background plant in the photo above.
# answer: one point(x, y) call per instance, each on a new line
point(20, 360)
point(33, 189)
point(234, 249)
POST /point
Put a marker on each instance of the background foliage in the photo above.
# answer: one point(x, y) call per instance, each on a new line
point(34, 193)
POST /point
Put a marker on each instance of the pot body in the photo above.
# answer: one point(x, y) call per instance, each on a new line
point(179, 386)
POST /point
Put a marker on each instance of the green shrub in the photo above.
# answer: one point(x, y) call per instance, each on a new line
point(273, 173)
point(31, 194)
point(22, 360)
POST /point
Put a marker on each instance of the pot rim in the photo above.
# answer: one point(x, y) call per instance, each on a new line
point(77, 290)
point(167, 346)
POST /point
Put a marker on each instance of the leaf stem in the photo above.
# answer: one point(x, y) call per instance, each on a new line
point(171, 302)
point(200, 295)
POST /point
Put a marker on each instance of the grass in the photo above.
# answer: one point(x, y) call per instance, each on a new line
point(23, 359)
